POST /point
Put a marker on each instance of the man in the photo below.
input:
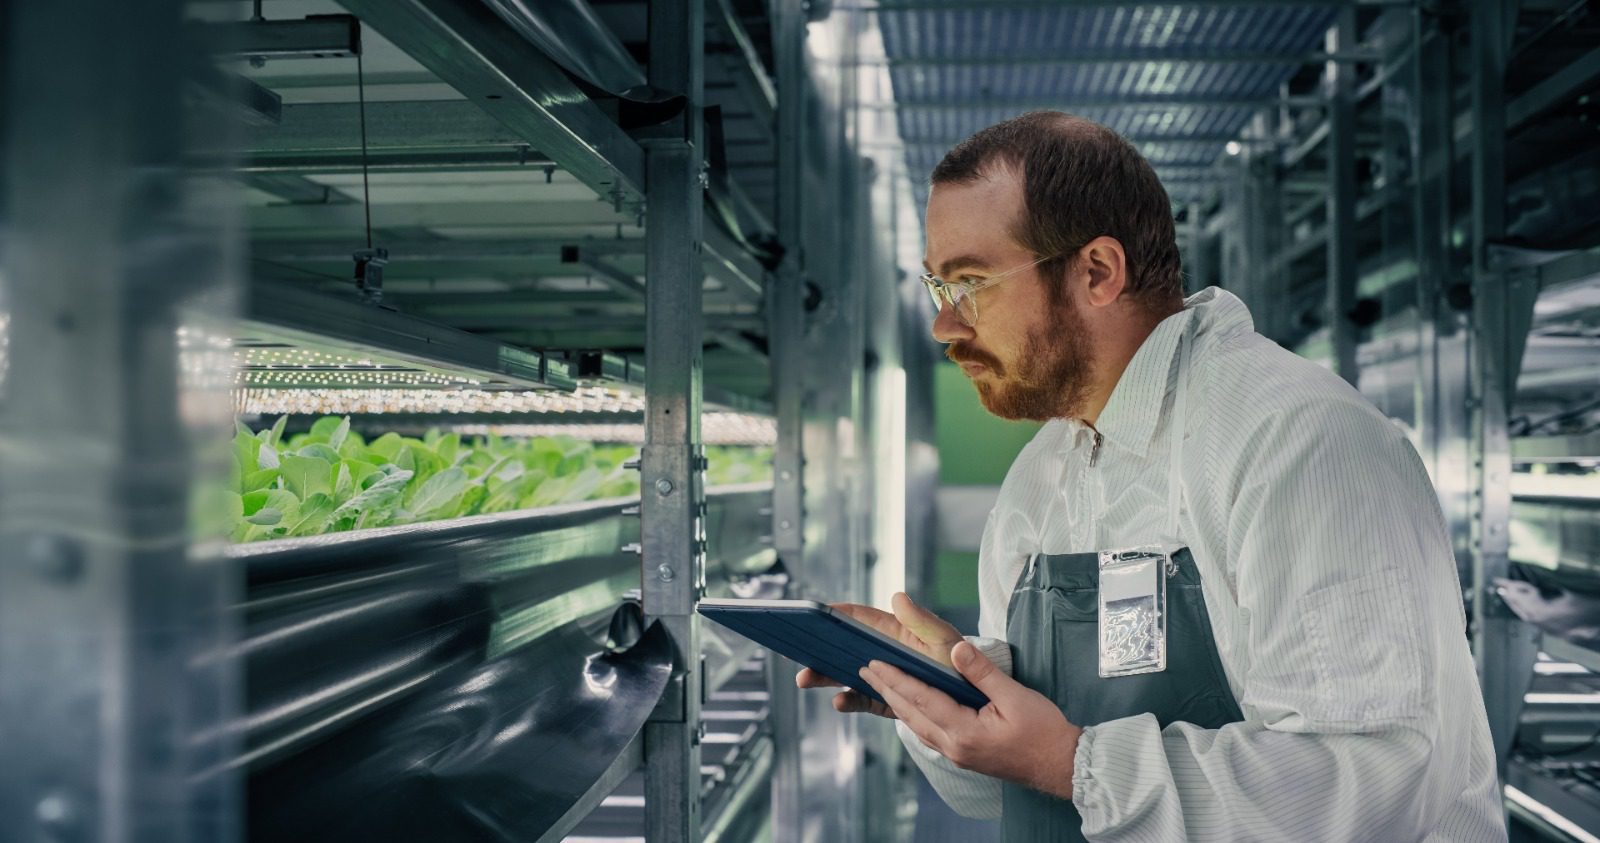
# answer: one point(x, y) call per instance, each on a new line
point(1220, 578)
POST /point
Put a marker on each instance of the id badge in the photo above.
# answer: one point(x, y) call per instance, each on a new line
point(1133, 611)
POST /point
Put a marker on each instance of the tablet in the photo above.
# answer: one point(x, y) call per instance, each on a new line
point(833, 644)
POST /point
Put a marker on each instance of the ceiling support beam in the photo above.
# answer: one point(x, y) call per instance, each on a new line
point(320, 251)
point(316, 128)
point(623, 283)
point(900, 6)
point(473, 50)
point(750, 76)
point(1126, 56)
point(1081, 102)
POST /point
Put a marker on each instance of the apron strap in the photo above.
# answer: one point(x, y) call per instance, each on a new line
point(1180, 412)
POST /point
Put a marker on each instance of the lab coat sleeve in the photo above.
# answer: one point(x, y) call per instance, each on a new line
point(967, 793)
point(1349, 597)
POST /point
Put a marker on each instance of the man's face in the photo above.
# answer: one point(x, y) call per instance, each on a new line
point(1028, 355)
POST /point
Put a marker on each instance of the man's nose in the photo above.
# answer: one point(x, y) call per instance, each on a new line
point(948, 327)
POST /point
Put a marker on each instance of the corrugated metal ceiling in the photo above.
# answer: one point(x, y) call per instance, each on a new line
point(1166, 76)
point(1180, 30)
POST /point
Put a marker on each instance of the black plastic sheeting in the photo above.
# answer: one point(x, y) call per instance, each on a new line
point(398, 688)
point(341, 628)
point(473, 761)
point(321, 667)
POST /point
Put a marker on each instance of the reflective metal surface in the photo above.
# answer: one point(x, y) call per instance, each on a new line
point(112, 256)
point(569, 33)
point(502, 753)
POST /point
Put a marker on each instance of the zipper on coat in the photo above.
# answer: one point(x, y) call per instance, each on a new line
point(1094, 452)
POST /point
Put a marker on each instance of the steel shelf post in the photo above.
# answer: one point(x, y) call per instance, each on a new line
point(672, 480)
point(786, 319)
point(1503, 646)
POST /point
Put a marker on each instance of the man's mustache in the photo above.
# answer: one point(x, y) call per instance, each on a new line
point(958, 353)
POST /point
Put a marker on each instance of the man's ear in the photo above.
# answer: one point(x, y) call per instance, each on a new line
point(1106, 265)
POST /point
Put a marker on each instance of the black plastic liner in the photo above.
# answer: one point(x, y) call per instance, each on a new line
point(479, 679)
point(500, 755)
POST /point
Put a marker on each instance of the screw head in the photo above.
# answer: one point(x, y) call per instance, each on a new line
point(663, 487)
point(665, 572)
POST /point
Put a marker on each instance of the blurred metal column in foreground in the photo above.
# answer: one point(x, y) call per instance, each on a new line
point(786, 332)
point(1339, 88)
point(672, 487)
point(1503, 646)
point(1441, 414)
point(110, 623)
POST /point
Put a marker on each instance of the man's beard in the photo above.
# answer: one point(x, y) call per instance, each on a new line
point(1049, 381)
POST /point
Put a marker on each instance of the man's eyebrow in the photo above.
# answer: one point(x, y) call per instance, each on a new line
point(960, 262)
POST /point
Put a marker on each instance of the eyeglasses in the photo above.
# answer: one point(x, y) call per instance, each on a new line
point(959, 294)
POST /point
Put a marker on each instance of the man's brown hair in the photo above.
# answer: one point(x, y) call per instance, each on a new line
point(1080, 181)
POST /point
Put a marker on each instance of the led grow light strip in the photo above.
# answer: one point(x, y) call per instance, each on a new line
point(716, 429)
point(1530, 485)
point(428, 402)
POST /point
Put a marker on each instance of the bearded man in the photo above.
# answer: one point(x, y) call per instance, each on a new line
point(1218, 601)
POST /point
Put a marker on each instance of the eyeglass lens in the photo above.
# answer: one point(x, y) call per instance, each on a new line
point(960, 300)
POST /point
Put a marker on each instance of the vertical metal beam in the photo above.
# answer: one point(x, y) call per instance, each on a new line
point(672, 489)
point(786, 310)
point(109, 627)
point(1430, 116)
point(1198, 279)
point(1502, 645)
point(1251, 247)
point(1444, 378)
point(786, 337)
point(1343, 270)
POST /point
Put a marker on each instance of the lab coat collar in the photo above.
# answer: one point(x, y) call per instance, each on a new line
point(1130, 417)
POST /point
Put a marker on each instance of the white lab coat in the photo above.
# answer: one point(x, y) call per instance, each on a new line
point(1333, 596)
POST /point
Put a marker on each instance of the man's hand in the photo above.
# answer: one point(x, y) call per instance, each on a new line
point(1020, 736)
point(910, 624)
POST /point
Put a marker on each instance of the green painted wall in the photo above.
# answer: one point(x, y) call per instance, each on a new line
point(955, 579)
point(975, 449)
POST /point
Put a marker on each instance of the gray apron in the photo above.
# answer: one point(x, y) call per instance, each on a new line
point(1053, 627)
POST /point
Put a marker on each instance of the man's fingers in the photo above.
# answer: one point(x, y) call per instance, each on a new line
point(876, 618)
point(937, 648)
point(847, 702)
point(851, 702)
point(928, 627)
point(907, 703)
point(808, 678)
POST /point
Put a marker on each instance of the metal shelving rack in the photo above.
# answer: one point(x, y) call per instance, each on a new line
point(1421, 251)
point(557, 254)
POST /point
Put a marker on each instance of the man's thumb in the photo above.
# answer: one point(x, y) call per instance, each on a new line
point(981, 672)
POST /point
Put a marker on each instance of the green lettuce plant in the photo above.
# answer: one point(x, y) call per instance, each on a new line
point(330, 479)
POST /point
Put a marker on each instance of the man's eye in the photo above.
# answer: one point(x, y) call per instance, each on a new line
point(967, 280)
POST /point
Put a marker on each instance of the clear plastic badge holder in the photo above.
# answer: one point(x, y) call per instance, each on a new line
point(1133, 611)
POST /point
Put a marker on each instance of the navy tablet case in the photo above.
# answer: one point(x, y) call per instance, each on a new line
point(833, 644)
